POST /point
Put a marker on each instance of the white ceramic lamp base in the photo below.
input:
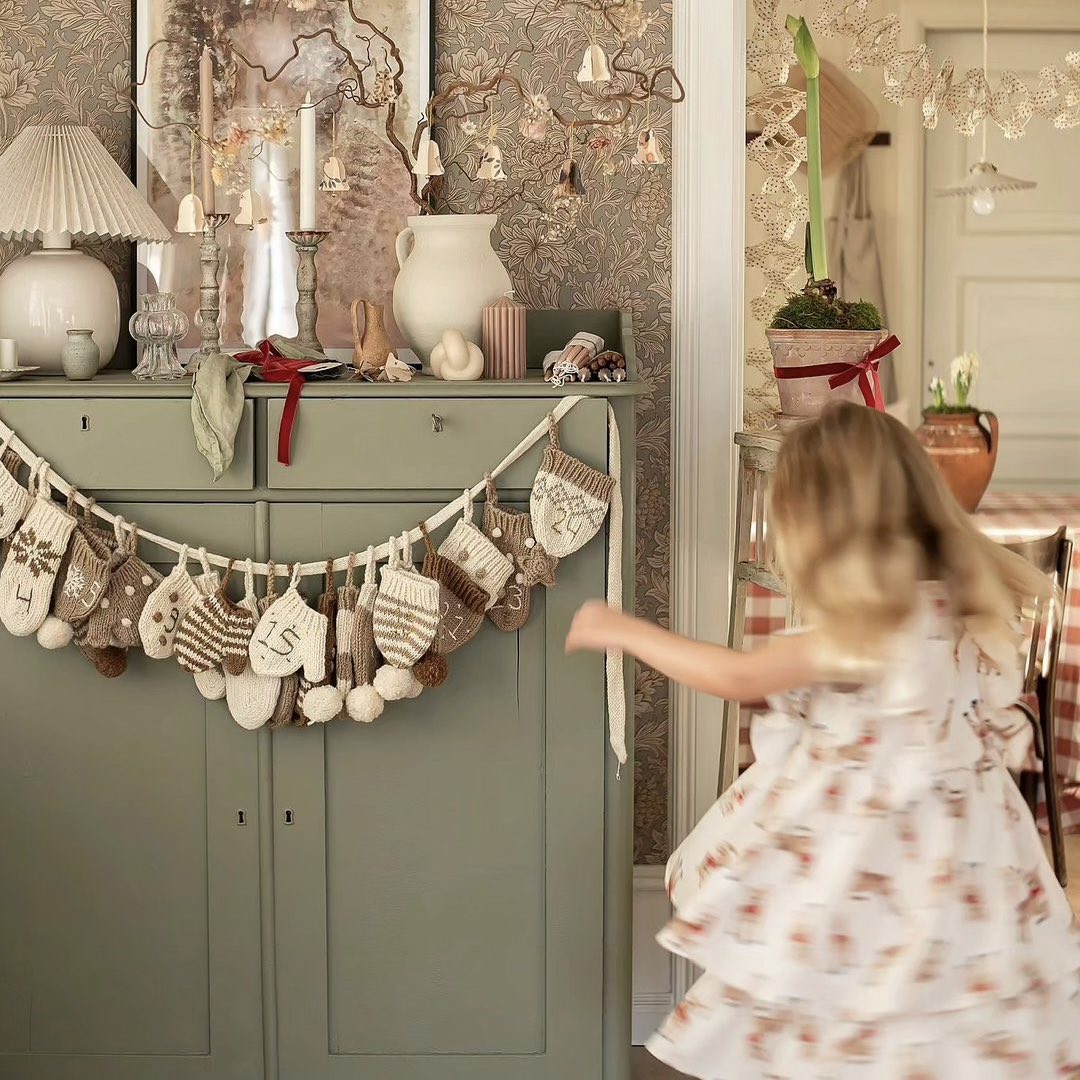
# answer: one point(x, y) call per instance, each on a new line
point(46, 293)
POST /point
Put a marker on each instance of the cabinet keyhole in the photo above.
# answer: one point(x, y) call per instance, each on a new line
point(86, 423)
point(241, 817)
point(289, 819)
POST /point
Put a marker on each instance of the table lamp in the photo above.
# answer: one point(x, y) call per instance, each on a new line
point(57, 180)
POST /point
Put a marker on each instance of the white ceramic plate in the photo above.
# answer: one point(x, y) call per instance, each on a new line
point(10, 374)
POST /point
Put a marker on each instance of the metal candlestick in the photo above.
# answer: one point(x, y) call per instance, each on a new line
point(210, 288)
point(307, 243)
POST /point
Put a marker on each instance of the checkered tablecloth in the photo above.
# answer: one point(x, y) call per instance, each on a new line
point(1005, 517)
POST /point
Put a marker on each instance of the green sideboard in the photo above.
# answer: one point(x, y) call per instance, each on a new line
point(442, 895)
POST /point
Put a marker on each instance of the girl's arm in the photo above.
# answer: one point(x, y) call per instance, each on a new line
point(787, 663)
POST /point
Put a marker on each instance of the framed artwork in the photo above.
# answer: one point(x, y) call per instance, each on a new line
point(255, 119)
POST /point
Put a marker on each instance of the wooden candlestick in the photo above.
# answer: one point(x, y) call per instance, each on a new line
point(307, 243)
point(210, 287)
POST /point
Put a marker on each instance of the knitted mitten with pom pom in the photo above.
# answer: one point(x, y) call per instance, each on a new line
point(252, 699)
point(344, 629)
point(364, 703)
point(322, 701)
point(115, 621)
point(290, 636)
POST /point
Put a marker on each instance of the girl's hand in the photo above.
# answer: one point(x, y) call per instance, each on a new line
point(596, 628)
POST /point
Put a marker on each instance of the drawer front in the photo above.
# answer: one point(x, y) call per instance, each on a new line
point(120, 445)
point(431, 445)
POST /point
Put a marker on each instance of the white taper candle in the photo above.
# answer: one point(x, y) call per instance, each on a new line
point(308, 183)
point(206, 126)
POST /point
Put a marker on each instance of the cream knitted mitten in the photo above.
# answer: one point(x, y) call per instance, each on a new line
point(283, 712)
point(115, 621)
point(569, 500)
point(364, 703)
point(15, 500)
point(461, 600)
point(323, 702)
point(511, 532)
point(470, 549)
point(252, 699)
point(165, 609)
point(215, 631)
point(29, 573)
point(290, 636)
point(211, 683)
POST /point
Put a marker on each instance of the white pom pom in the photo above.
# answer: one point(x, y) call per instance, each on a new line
point(364, 704)
point(322, 704)
point(394, 684)
point(416, 687)
point(211, 684)
point(55, 633)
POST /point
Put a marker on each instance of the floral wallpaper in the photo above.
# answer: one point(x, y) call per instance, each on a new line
point(63, 60)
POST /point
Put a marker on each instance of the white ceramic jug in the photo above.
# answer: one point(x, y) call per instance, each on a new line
point(449, 274)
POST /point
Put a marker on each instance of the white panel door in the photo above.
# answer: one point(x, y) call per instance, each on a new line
point(1008, 285)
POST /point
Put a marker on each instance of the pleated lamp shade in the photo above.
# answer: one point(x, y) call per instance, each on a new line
point(58, 178)
point(59, 182)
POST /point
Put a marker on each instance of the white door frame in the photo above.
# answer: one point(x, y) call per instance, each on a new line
point(919, 18)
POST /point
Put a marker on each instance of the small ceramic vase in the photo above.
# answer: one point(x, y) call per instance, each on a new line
point(964, 447)
point(373, 346)
point(80, 355)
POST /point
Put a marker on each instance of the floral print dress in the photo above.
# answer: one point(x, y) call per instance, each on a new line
point(871, 899)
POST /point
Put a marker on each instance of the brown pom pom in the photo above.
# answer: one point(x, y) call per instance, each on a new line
point(110, 661)
point(431, 670)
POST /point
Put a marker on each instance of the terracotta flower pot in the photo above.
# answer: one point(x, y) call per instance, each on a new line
point(964, 447)
point(791, 349)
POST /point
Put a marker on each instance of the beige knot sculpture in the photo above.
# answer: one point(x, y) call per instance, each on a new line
point(455, 359)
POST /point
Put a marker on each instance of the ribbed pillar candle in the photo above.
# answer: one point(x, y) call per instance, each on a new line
point(504, 340)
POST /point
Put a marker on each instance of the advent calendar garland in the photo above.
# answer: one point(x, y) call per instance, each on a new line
point(280, 660)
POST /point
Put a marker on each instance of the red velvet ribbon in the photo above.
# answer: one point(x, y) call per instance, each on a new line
point(866, 371)
point(276, 368)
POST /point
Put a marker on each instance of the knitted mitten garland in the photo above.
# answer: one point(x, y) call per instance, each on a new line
point(165, 610)
point(405, 620)
point(323, 702)
point(290, 636)
point(511, 532)
point(29, 574)
point(569, 500)
point(115, 621)
point(215, 631)
point(363, 702)
point(15, 500)
point(470, 549)
point(252, 699)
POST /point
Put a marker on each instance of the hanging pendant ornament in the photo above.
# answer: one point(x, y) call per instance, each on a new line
point(190, 217)
point(334, 179)
point(491, 163)
point(594, 64)
point(648, 147)
point(537, 119)
point(569, 185)
point(251, 207)
point(428, 158)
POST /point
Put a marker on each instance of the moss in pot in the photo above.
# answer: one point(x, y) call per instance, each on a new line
point(819, 342)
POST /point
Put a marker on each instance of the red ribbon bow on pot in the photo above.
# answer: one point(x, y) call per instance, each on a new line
point(865, 370)
point(273, 367)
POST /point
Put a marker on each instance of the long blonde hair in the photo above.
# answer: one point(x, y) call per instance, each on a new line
point(859, 516)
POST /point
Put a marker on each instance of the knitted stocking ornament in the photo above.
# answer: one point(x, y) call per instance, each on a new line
point(511, 532)
point(29, 574)
point(323, 702)
point(116, 619)
point(290, 636)
point(252, 699)
point(364, 703)
point(215, 631)
point(165, 610)
point(569, 500)
point(470, 549)
point(461, 600)
point(15, 500)
point(405, 619)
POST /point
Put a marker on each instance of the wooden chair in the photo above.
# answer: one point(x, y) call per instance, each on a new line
point(1053, 556)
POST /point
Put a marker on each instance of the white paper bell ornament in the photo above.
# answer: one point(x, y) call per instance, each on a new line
point(648, 149)
point(491, 166)
point(334, 178)
point(428, 158)
point(594, 66)
point(251, 209)
point(190, 217)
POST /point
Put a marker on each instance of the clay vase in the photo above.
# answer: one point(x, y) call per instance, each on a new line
point(964, 447)
point(371, 348)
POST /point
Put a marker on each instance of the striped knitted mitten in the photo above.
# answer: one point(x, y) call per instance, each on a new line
point(252, 699)
point(511, 532)
point(569, 500)
point(15, 500)
point(116, 619)
point(290, 636)
point(405, 620)
point(165, 610)
point(470, 549)
point(215, 631)
point(29, 574)
point(363, 702)
point(323, 702)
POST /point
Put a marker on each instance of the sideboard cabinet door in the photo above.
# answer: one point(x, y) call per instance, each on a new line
point(129, 912)
point(439, 904)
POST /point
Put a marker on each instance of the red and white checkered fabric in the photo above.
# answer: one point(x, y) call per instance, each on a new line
point(1005, 517)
